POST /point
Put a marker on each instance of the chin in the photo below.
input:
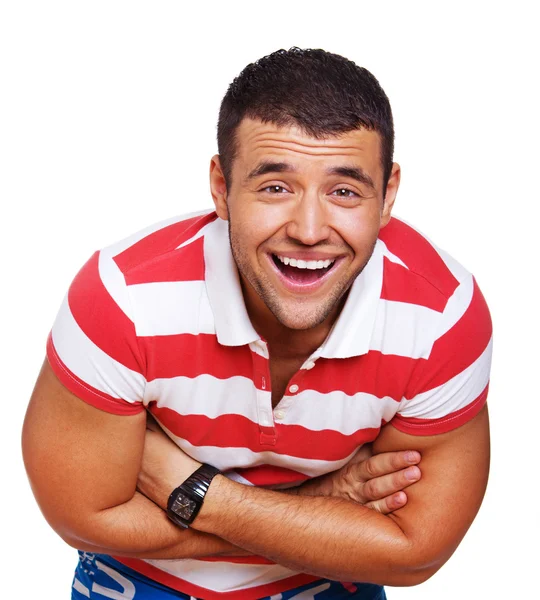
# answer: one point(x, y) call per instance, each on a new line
point(293, 317)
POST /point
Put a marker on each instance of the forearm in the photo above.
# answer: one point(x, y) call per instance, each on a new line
point(140, 529)
point(312, 534)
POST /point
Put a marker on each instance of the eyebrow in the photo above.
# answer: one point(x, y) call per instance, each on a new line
point(270, 167)
point(355, 173)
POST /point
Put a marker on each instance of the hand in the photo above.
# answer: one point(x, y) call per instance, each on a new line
point(164, 465)
point(376, 481)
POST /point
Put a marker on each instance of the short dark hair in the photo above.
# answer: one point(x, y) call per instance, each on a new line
point(322, 93)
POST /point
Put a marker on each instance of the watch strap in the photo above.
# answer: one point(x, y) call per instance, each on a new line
point(194, 488)
point(199, 481)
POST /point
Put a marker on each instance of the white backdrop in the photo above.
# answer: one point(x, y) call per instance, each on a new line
point(107, 124)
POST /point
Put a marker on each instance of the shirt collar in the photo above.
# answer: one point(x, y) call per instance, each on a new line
point(352, 331)
point(233, 326)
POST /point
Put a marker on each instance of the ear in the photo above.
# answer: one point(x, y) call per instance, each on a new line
point(218, 188)
point(391, 192)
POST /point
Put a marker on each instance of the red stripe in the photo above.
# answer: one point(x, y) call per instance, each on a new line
point(260, 591)
point(456, 350)
point(184, 264)
point(382, 375)
point(403, 285)
point(271, 475)
point(161, 241)
point(416, 426)
point(101, 319)
point(190, 355)
point(236, 431)
point(193, 355)
point(85, 392)
point(419, 255)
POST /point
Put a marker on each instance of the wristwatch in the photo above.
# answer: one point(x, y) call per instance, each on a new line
point(186, 500)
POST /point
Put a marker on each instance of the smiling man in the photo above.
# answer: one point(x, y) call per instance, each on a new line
point(272, 341)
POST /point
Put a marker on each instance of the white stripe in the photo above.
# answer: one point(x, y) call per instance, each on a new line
point(405, 329)
point(234, 476)
point(457, 305)
point(310, 593)
point(457, 269)
point(114, 282)
point(227, 459)
point(390, 255)
point(171, 307)
point(206, 395)
point(111, 275)
point(212, 397)
point(88, 362)
point(456, 393)
point(337, 411)
point(79, 587)
point(128, 587)
point(222, 576)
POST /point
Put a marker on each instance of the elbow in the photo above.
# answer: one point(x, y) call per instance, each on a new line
point(412, 577)
point(407, 568)
point(400, 577)
point(74, 542)
point(412, 573)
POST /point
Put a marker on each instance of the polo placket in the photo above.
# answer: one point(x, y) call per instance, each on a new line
point(263, 394)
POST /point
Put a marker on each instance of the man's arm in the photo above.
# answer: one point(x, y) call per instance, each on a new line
point(83, 465)
point(313, 534)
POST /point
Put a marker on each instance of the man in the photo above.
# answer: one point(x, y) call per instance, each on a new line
point(270, 339)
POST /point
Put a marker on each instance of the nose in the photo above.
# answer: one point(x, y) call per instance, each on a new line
point(308, 223)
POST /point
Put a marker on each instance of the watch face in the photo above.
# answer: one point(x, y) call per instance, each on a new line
point(183, 506)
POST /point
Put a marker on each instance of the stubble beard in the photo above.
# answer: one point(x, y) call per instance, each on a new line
point(301, 319)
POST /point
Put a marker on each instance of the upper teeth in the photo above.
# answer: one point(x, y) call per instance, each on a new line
point(306, 264)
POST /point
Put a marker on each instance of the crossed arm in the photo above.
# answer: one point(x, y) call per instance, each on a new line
point(83, 465)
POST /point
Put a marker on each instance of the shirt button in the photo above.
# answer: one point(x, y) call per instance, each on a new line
point(293, 389)
point(279, 414)
point(310, 365)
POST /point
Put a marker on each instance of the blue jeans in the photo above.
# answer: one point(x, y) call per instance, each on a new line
point(98, 576)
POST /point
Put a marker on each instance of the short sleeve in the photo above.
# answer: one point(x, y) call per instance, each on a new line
point(450, 387)
point(93, 347)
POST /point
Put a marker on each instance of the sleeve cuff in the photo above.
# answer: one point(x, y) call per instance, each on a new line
point(85, 392)
point(416, 426)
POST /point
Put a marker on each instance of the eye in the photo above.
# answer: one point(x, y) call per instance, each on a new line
point(274, 189)
point(344, 193)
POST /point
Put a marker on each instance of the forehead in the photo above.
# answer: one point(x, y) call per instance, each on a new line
point(258, 141)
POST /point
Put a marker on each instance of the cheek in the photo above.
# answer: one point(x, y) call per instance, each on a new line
point(252, 223)
point(359, 234)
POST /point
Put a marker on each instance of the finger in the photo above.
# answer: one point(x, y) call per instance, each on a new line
point(385, 463)
point(386, 485)
point(389, 504)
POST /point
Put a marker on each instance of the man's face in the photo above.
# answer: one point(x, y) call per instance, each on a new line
point(304, 215)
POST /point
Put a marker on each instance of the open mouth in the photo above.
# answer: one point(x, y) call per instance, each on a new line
point(303, 272)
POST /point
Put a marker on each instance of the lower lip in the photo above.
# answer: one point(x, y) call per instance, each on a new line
point(305, 288)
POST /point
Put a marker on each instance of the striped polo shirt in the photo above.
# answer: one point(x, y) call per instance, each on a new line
point(158, 322)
